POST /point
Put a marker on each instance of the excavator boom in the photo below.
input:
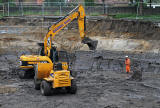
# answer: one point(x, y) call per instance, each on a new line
point(48, 53)
point(79, 13)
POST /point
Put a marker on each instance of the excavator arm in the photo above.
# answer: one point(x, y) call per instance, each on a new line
point(79, 13)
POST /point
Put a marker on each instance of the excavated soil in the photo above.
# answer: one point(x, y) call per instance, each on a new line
point(116, 35)
point(101, 78)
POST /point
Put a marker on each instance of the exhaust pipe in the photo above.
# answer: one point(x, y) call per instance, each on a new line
point(92, 44)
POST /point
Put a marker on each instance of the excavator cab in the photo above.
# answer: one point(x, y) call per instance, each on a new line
point(54, 53)
point(60, 60)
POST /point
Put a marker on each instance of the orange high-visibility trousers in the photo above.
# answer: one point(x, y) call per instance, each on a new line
point(127, 62)
point(127, 68)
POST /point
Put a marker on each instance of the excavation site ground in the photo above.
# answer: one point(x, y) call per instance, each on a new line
point(101, 78)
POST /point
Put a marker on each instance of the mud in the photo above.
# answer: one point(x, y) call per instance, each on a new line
point(104, 84)
point(101, 77)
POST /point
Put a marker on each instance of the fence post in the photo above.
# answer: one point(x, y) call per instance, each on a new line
point(8, 8)
point(137, 11)
point(22, 8)
point(104, 8)
point(3, 9)
point(43, 9)
point(107, 9)
point(60, 9)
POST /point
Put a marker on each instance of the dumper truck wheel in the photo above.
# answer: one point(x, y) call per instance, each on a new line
point(73, 73)
point(73, 88)
point(22, 74)
point(46, 88)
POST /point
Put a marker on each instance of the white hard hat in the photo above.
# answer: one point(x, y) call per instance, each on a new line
point(126, 56)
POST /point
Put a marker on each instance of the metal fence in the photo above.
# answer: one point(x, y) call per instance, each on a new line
point(61, 9)
point(56, 8)
point(47, 9)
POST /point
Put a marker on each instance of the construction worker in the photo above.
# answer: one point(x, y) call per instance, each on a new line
point(127, 63)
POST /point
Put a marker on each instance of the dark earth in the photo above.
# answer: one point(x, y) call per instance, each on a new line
point(101, 78)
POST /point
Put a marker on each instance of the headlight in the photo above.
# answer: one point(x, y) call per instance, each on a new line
point(20, 63)
point(23, 63)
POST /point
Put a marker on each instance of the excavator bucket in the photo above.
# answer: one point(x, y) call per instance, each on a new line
point(92, 44)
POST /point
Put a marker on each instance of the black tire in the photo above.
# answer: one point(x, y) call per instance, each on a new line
point(22, 74)
point(73, 73)
point(73, 88)
point(46, 88)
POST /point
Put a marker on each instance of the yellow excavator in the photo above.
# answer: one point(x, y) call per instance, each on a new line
point(51, 72)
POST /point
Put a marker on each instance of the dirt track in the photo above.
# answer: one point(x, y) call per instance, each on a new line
point(100, 85)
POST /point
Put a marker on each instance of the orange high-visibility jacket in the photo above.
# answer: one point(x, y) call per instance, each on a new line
point(127, 62)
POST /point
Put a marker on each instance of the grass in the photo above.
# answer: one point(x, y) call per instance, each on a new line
point(125, 16)
point(134, 16)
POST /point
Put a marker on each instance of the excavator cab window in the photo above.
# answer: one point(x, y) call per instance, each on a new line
point(41, 51)
point(54, 55)
point(58, 66)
